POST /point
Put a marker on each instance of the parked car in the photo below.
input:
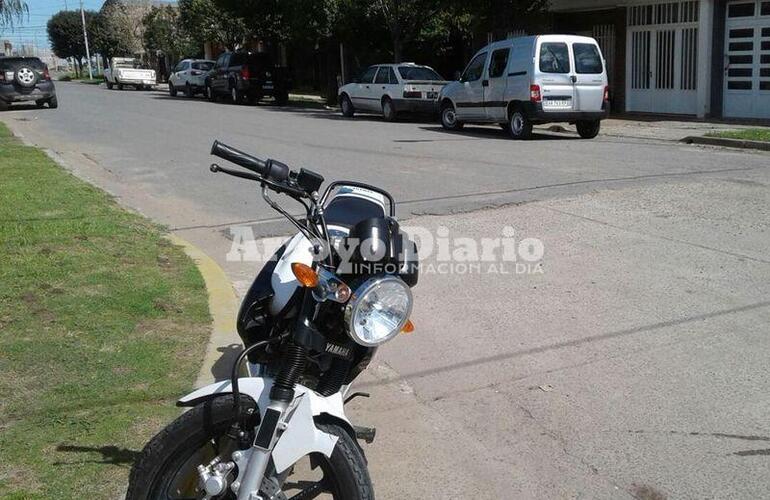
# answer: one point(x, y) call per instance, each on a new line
point(247, 77)
point(391, 89)
point(189, 76)
point(531, 80)
point(26, 79)
point(129, 71)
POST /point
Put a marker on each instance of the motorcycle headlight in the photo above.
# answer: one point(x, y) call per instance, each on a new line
point(378, 310)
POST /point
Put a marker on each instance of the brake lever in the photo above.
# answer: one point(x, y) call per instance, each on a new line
point(235, 173)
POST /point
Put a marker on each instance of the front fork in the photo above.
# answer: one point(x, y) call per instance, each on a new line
point(281, 395)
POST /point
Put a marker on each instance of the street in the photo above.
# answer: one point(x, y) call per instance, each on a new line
point(633, 366)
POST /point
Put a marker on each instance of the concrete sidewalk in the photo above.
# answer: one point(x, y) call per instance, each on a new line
point(655, 129)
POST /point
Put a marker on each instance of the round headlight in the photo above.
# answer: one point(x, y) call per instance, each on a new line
point(378, 310)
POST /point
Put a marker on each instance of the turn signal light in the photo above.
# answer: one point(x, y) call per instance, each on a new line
point(534, 93)
point(408, 327)
point(305, 275)
point(46, 74)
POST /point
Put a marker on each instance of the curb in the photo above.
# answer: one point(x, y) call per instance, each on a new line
point(727, 143)
point(223, 306)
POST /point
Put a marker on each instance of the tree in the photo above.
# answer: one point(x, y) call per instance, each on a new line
point(205, 22)
point(405, 19)
point(65, 32)
point(11, 10)
point(119, 30)
point(163, 32)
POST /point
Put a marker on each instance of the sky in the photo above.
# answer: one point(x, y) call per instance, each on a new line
point(32, 29)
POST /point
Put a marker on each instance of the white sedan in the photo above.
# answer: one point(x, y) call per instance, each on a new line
point(391, 89)
point(189, 76)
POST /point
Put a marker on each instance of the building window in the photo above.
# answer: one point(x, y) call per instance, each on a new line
point(740, 10)
point(765, 9)
point(739, 85)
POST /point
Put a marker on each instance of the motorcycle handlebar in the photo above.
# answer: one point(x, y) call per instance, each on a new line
point(271, 170)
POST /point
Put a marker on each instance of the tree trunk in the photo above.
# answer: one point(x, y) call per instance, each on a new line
point(398, 50)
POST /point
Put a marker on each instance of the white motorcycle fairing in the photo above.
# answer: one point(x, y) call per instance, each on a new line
point(301, 436)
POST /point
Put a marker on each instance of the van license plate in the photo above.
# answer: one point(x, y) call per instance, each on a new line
point(431, 95)
point(558, 103)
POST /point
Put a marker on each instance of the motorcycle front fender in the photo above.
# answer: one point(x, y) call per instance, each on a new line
point(301, 436)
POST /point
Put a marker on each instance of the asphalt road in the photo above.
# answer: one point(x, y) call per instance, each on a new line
point(635, 365)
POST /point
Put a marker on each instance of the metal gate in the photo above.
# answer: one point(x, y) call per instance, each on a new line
point(662, 57)
point(747, 60)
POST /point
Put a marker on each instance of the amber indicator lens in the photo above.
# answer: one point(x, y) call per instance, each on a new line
point(305, 275)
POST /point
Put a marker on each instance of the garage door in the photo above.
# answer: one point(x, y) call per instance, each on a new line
point(662, 53)
point(747, 54)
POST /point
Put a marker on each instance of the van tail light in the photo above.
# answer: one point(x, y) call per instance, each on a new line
point(534, 93)
point(245, 73)
point(46, 74)
point(606, 93)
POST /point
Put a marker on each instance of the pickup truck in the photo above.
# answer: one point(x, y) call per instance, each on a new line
point(128, 71)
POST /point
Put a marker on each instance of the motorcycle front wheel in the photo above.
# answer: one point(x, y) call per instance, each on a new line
point(167, 467)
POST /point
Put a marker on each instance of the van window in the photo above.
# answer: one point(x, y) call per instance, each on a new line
point(498, 62)
point(587, 59)
point(475, 68)
point(554, 57)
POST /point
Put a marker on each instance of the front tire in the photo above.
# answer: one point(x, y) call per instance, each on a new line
point(188, 90)
point(588, 129)
point(348, 111)
point(210, 94)
point(171, 89)
point(449, 118)
point(53, 103)
point(166, 468)
point(519, 125)
point(109, 84)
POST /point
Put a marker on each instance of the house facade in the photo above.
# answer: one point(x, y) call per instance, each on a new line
point(707, 58)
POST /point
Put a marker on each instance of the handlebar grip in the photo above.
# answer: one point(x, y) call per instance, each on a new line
point(239, 158)
point(270, 169)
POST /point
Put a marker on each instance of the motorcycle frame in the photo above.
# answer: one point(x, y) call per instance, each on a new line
point(287, 430)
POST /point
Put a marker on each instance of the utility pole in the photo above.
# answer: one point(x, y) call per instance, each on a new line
point(85, 37)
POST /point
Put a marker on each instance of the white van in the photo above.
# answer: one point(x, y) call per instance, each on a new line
point(531, 80)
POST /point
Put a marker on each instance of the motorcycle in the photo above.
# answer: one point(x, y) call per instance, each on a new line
point(310, 323)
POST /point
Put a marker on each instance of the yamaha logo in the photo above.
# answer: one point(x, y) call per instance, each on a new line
point(337, 350)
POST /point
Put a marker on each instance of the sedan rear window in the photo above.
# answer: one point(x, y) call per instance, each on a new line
point(587, 59)
point(203, 66)
point(554, 58)
point(412, 73)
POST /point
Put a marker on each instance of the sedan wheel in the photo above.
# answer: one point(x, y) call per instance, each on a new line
point(347, 106)
point(388, 110)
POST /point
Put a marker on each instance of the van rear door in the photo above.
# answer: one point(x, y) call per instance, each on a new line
point(554, 76)
point(590, 78)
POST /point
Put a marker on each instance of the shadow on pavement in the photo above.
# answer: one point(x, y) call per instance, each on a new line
point(222, 367)
point(497, 133)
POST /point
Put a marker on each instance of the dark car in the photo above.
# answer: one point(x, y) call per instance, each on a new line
point(247, 77)
point(25, 79)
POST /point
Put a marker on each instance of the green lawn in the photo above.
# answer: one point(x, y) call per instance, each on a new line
point(749, 134)
point(103, 323)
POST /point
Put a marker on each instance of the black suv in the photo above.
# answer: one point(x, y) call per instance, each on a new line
point(24, 79)
point(246, 77)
